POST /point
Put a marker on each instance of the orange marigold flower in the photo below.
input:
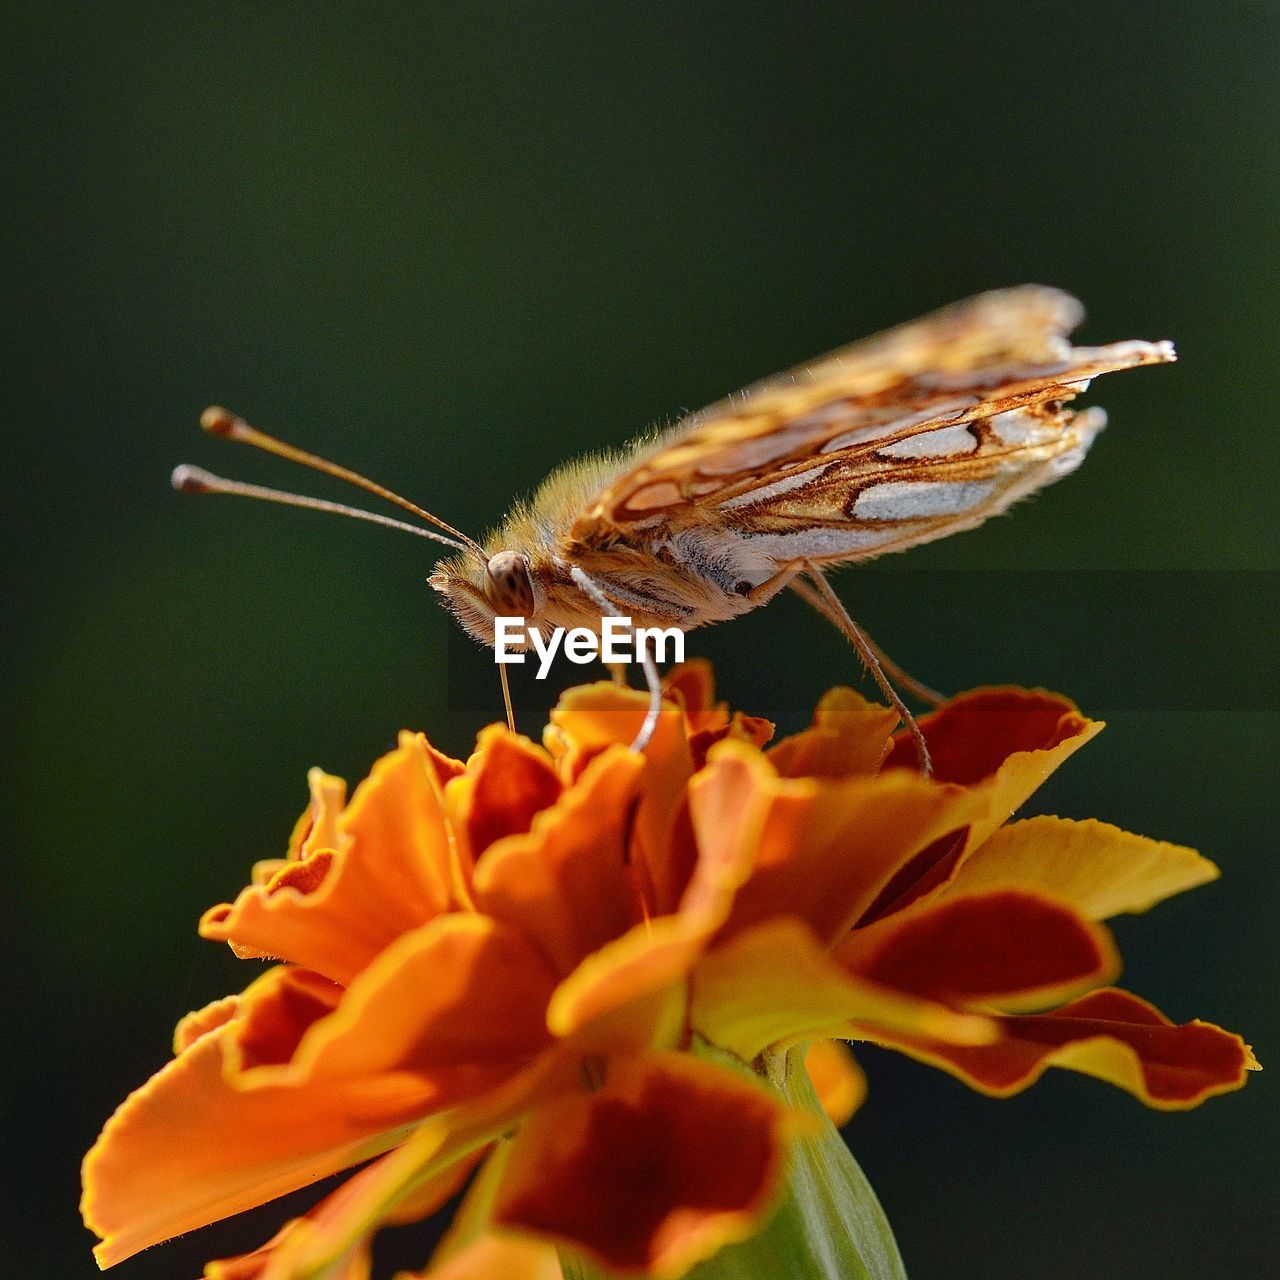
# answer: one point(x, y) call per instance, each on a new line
point(583, 974)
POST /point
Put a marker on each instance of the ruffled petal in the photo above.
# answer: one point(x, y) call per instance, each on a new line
point(848, 736)
point(201, 1021)
point(458, 1005)
point(1110, 1034)
point(508, 782)
point(729, 802)
point(397, 1187)
point(568, 883)
point(591, 718)
point(635, 1175)
point(824, 849)
point(292, 1088)
point(692, 686)
point(1007, 948)
point(630, 994)
point(776, 985)
point(1004, 741)
point(190, 1147)
point(1097, 868)
point(396, 819)
point(390, 871)
point(318, 826)
point(837, 1079)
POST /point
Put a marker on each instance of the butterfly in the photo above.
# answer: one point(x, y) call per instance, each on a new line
point(918, 432)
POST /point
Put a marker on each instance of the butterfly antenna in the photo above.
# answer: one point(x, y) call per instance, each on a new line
point(219, 422)
point(196, 480)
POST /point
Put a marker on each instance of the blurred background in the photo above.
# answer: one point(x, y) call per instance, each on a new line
point(453, 245)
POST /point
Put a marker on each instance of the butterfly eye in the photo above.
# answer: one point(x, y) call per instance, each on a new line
point(507, 585)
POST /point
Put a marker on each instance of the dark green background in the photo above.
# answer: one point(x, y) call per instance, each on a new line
point(452, 245)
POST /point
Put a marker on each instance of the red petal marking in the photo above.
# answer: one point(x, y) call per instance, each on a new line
point(336, 909)
point(669, 1161)
point(271, 1025)
point(928, 869)
point(446, 1014)
point(567, 883)
point(970, 737)
point(302, 877)
point(446, 767)
point(1110, 1034)
point(828, 845)
point(753, 729)
point(591, 717)
point(988, 947)
point(511, 782)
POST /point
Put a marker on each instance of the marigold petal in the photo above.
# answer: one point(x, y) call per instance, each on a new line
point(972, 735)
point(1110, 1034)
point(755, 731)
point(459, 1004)
point(287, 1092)
point(568, 883)
point(335, 909)
point(728, 804)
point(635, 1175)
point(630, 994)
point(272, 1016)
point(592, 718)
point(200, 1022)
point(508, 782)
point(276, 1259)
point(191, 1147)
point(1097, 868)
point(318, 826)
point(923, 872)
point(404, 1175)
point(495, 1257)
point(1006, 947)
point(837, 1079)
point(693, 686)
point(849, 735)
point(826, 848)
point(1004, 741)
point(396, 821)
point(775, 985)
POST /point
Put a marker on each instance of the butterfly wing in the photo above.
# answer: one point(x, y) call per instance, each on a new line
point(916, 432)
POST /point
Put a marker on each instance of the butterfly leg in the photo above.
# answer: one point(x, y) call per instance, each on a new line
point(901, 679)
point(834, 610)
point(592, 590)
point(762, 593)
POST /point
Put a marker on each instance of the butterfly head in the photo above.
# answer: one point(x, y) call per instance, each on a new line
point(475, 591)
